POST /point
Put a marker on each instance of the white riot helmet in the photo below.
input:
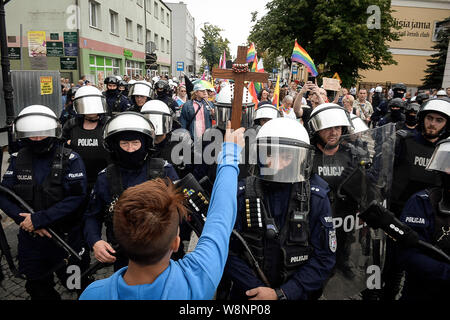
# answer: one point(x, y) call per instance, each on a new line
point(127, 121)
point(223, 107)
point(141, 88)
point(36, 121)
point(89, 100)
point(358, 124)
point(159, 115)
point(328, 115)
point(284, 153)
point(439, 105)
point(266, 111)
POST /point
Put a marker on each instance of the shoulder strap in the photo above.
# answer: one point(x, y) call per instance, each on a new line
point(155, 168)
point(195, 114)
point(114, 178)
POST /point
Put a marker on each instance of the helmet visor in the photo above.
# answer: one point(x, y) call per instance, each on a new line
point(440, 160)
point(93, 104)
point(162, 122)
point(36, 125)
point(283, 162)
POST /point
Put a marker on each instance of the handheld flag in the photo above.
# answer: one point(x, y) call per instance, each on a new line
point(251, 53)
point(276, 94)
point(258, 86)
point(301, 56)
point(252, 91)
point(336, 76)
point(224, 61)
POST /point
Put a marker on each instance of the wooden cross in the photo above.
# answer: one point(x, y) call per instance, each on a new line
point(239, 74)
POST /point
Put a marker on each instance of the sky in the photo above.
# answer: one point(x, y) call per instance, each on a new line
point(233, 16)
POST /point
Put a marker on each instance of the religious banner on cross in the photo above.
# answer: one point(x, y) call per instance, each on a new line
point(239, 73)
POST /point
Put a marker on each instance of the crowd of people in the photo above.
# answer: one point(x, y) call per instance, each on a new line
point(278, 220)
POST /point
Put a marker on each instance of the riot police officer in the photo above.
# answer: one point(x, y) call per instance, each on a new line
point(284, 216)
point(265, 113)
point(410, 122)
point(428, 213)
point(128, 137)
point(412, 155)
point(396, 107)
point(163, 93)
point(115, 100)
point(52, 180)
point(123, 87)
point(328, 122)
point(414, 150)
point(399, 90)
point(140, 93)
point(84, 133)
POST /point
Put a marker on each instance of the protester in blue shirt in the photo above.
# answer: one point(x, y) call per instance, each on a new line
point(153, 219)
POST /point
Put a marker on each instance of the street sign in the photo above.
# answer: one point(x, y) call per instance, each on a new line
point(294, 69)
point(180, 66)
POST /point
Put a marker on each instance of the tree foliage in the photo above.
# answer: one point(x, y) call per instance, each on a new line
point(336, 33)
point(213, 45)
point(436, 67)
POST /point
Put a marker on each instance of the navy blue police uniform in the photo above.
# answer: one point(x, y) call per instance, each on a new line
point(299, 261)
point(55, 198)
point(426, 277)
point(105, 194)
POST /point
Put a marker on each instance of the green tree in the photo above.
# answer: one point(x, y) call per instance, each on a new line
point(434, 74)
point(213, 45)
point(341, 34)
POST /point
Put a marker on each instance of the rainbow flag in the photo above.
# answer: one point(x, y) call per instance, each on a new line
point(276, 94)
point(301, 56)
point(251, 53)
point(258, 86)
point(252, 91)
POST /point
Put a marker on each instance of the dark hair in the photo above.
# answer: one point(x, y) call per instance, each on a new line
point(146, 220)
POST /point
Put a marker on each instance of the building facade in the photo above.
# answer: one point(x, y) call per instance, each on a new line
point(183, 35)
point(95, 38)
point(419, 25)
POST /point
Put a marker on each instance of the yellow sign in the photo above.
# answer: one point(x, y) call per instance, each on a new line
point(36, 44)
point(46, 85)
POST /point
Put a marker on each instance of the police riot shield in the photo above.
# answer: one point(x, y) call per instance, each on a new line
point(367, 176)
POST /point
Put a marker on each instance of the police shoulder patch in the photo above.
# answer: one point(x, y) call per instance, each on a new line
point(332, 241)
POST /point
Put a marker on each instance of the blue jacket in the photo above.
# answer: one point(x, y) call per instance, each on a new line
point(101, 197)
point(425, 275)
point(197, 275)
point(188, 113)
point(311, 276)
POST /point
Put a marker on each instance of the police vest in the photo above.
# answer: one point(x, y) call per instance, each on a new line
point(279, 256)
point(155, 169)
point(51, 191)
point(89, 145)
point(410, 175)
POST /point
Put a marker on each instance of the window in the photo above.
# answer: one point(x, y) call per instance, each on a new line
point(114, 17)
point(94, 14)
point(139, 34)
point(162, 15)
point(162, 44)
point(168, 20)
point(101, 67)
point(129, 25)
point(133, 68)
point(148, 36)
point(168, 46)
point(148, 4)
point(156, 41)
point(155, 9)
point(140, 3)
